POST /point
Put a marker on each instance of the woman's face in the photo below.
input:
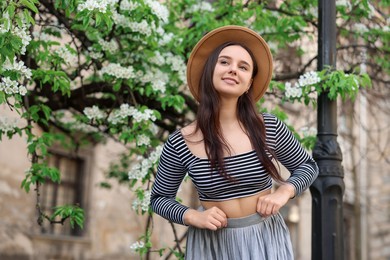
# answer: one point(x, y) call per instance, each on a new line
point(233, 72)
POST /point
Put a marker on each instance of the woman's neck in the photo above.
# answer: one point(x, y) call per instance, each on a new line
point(228, 114)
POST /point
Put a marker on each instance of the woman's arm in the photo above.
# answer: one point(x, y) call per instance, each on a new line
point(300, 164)
point(170, 174)
point(293, 156)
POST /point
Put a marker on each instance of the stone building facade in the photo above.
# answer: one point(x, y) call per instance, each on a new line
point(112, 226)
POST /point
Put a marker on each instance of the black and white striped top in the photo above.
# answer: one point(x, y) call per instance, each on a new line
point(250, 175)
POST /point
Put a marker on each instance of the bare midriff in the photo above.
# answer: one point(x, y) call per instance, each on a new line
point(237, 208)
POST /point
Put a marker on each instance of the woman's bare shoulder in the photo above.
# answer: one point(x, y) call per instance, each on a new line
point(190, 133)
point(188, 129)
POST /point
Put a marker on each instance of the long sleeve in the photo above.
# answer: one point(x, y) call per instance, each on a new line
point(291, 154)
point(170, 174)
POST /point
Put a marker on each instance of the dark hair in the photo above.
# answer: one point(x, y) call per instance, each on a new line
point(208, 120)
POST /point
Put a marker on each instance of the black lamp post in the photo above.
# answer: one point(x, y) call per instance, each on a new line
point(327, 191)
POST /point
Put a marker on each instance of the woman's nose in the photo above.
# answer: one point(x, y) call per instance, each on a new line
point(233, 69)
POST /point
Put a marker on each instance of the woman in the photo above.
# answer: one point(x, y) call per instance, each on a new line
point(229, 153)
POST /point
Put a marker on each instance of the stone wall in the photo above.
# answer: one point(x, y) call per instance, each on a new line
point(112, 226)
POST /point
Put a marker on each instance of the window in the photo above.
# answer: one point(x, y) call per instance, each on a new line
point(69, 191)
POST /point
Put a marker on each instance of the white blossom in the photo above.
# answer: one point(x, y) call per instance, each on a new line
point(128, 5)
point(177, 63)
point(165, 38)
point(120, 19)
point(78, 126)
point(118, 71)
point(144, 203)
point(157, 78)
point(93, 113)
point(137, 245)
point(142, 27)
point(24, 35)
point(67, 118)
point(360, 28)
point(309, 78)
point(67, 56)
point(155, 155)
point(8, 123)
point(95, 55)
point(10, 87)
point(147, 114)
point(157, 59)
point(22, 90)
point(7, 90)
point(41, 36)
point(158, 9)
point(292, 92)
point(125, 111)
point(17, 66)
point(99, 5)
point(21, 30)
point(158, 85)
point(111, 46)
point(344, 3)
point(143, 140)
point(201, 7)
point(118, 116)
point(139, 170)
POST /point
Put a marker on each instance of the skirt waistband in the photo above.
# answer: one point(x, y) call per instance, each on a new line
point(245, 221)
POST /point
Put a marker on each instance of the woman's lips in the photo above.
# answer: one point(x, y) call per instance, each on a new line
point(230, 80)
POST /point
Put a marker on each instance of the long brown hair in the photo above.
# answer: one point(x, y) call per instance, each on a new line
point(208, 120)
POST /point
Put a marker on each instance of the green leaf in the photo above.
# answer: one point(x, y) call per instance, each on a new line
point(11, 10)
point(46, 111)
point(2, 97)
point(29, 5)
point(26, 183)
point(117, 86)
point(28, 17)
point(86, 21)
point(74, 213)
point(98, 19)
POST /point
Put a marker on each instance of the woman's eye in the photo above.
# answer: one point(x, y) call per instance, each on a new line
point(223, 62)
point(244, 68)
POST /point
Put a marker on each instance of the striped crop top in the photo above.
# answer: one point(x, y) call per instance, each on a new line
point(251, 177)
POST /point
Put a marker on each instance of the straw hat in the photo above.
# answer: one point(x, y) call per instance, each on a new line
point(231, 33)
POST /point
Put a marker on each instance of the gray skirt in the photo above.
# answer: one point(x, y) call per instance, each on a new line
point(251, 237)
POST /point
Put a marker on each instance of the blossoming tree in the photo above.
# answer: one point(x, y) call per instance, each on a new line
point(84, 71)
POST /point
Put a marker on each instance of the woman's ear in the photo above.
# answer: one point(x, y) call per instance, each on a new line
point(250, 85)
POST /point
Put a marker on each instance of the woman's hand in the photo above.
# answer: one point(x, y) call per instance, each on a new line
point(271, 204)
point(212, 218)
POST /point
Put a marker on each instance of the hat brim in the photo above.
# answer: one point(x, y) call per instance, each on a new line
point(231, 33)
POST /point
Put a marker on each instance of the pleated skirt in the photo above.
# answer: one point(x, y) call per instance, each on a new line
point(250, 237)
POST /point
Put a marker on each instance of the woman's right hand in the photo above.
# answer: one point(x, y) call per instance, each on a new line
point(212, 218)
